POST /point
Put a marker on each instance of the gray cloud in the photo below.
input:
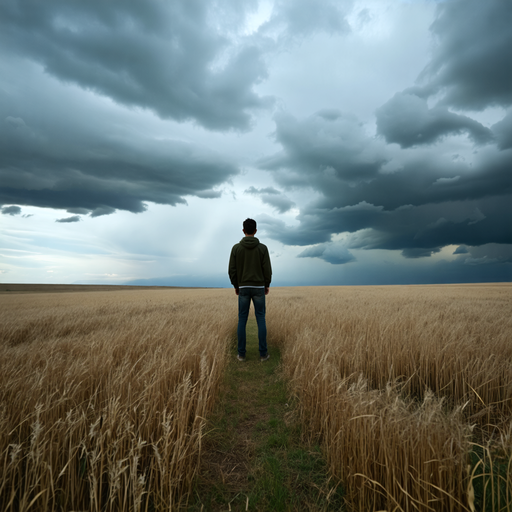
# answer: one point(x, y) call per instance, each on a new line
point(90, 165)
point(338, 159)
point(328, 147)
point(169, 57)
point(64, 145)
point(281, 203)
point(80, 211)
point(417, 231)
point(74, 218)
point(109, 210)
point(419, 252)
point(503, 131)
point(485, 260)
point(272, 197)
point(500, 253)
point(462, 249)
point(471, 62)
point(415, 202)
point(407, 120)
point(333, 253)
point(427, 203)
point(11, 210)
point(291, 18)
point(258, 191)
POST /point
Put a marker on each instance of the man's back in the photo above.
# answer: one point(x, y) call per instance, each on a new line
point(249, 263)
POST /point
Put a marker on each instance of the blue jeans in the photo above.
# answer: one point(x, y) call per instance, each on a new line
point(244, 302)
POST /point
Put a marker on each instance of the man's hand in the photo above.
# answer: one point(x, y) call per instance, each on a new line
point(237, 291)
point(267, 289)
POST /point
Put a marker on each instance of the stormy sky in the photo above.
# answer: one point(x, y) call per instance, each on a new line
point(370, 139)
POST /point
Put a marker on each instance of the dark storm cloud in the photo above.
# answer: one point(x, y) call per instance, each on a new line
point(415, 201)
point(328, 147)
point(407, 120)
point(485, 254)
point(11, 210)
point(462, 249)
point(266, 190)
point(471, 65)
point(429, 202)
point(503, 132)
point(74, 218)
point(335, 254)
point(425, 228)
point(98, 168)
point(431, 227)
point(418, 252)
point(169, 57)
point(334, 155)
point(431, 179)
point(272, 197)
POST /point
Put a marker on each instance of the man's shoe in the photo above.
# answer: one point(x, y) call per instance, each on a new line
point(265, 358)
point(240, 358)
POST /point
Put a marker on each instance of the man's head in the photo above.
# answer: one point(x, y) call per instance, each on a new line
point(249, 226)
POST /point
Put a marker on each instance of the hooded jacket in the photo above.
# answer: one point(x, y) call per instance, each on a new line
point(249, 263)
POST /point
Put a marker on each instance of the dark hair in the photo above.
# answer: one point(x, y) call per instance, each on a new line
point(249, 226)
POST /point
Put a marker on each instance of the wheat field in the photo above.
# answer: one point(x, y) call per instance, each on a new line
point(104, 395)
point(409, 390)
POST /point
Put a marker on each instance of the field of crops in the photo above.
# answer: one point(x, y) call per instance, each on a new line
point(104, 394)
point(409, 389)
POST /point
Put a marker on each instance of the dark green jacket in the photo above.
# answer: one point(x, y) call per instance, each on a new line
point(249, 263)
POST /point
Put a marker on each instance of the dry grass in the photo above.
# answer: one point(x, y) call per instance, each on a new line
point(399, 383)
point(104, 394)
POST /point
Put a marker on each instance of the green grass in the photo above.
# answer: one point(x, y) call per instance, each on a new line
point(491, 473)
point(254, 457)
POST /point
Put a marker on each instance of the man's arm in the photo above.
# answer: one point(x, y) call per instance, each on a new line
point(266, 267)
point(232, 270)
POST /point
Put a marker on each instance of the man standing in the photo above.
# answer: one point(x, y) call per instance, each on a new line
point(250, 273)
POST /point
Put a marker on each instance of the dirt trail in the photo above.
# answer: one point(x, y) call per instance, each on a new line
point(253, 457)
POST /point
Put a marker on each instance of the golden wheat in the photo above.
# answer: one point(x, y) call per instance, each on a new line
point(399, 383)
point(104, 395)
point(409, 390)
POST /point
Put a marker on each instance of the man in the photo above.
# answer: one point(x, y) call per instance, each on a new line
point(250, 273)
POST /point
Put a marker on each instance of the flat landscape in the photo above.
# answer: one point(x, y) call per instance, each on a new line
point(375, 398)
point(58, 288)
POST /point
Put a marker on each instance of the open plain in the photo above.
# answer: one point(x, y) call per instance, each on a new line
point(106, 395)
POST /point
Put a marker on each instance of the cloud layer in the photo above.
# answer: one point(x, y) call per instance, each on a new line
point(471, 63)
point(272, 197)
point(407, 121)
point(93, 167)
point(418, 200)
point(349, 130)
point(169, 57)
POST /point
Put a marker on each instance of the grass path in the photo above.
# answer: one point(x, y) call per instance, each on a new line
point(253, 456)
